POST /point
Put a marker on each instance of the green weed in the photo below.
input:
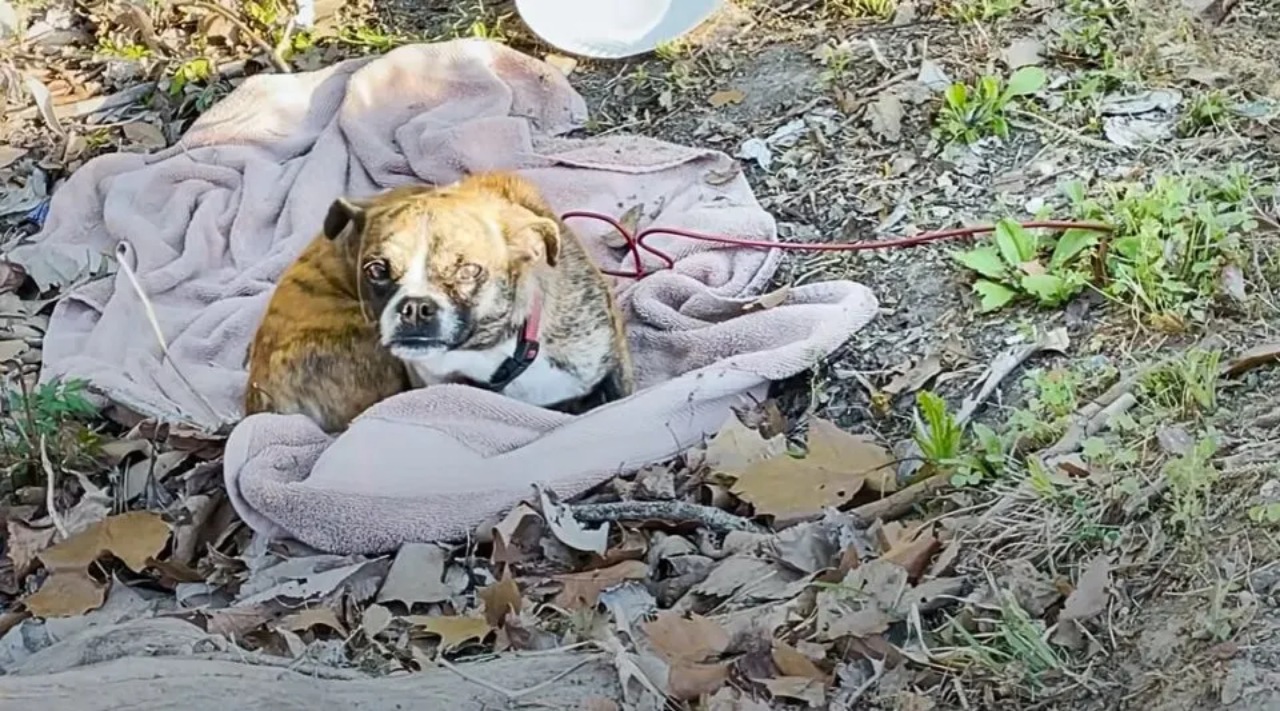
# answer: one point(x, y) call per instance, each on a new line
point(1016, 265)
point(937, 433)
point(371, 38)
point(1191, 479)
point(189, 73)
point(672, 51)
point(1013, 644)
point(968, 460)
point(970, 113)
point(122, 50)
point(1089, 34)
point(1209, 110)
point(880, 9)
point(1186, 388)
point(979, 10)
point(54, 414)
point(1171, 241)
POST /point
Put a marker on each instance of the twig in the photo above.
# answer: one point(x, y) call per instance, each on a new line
point(1062, 130)
point(1122, 404)
point(122, 253)
point(276, 60)
point(1091, 418)
point(1084, 418)
point(50, 481)
point(899, 503)
point(668, 511)
point(505, 692)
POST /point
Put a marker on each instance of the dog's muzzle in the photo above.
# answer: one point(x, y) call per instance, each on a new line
point(422, 322)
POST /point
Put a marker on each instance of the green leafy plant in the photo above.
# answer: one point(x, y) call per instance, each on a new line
point(937, 433)
point(882, 9)
point(1088, 35)
point(122, 50)
point(189, 73)
point(54, 414)
point(970, 113)
point(1172, 238)
point(979, 10)
point(1191, 479)
point(1265, 514)
point(1186, 388)
point(1013, 266)
point(1207, 110)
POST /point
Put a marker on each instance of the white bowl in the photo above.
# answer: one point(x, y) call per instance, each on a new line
point(612, 29)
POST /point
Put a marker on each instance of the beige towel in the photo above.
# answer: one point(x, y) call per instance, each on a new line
point(215, 219)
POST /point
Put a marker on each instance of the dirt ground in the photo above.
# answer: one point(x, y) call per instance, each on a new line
point(1132, 565)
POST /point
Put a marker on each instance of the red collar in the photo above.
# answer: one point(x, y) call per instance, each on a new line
point(526, 351)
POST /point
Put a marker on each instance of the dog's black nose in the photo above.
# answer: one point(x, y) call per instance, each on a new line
point(415, 311)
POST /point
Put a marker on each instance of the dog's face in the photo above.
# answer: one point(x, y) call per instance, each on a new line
point(442, 267)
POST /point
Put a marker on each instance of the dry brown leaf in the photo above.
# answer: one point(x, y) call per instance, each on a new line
point(134, 537)
point(916, 377)
point(583, 589)
point(736, 447)
point(235, 622)
point(688, 681)
point(417, 576)
point(12, 349)
point(810, 691)
point(1089, 599)
point(453, 630)
point(312, 617)
point(690, 639)
point(44, 104)
point(145, 134)
point(500, 598)
point(727, 96)
point(1252, 358)
point(721, 177)
point(66, 593)
point(25, 543)
point(516, 537)
point(913, 550)
point(835, 470)
point(831, 444)
point(790, 662)
point(10, 154)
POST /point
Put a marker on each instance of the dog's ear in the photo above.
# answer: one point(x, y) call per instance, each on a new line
point(343, 213)
point(537, 238)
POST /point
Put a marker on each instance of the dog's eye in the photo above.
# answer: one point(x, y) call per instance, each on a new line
point(377, 271)
point(469, 272)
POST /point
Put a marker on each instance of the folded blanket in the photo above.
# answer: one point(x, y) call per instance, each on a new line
point(214, 220)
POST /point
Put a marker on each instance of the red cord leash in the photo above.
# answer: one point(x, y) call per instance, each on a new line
point(636, 241)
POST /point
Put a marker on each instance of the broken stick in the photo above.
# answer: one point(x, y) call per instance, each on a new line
point(666, 511)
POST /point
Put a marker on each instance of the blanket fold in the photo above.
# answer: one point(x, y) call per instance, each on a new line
point(213, 221)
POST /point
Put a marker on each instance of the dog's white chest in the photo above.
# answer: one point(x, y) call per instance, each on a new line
point(540, 384)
